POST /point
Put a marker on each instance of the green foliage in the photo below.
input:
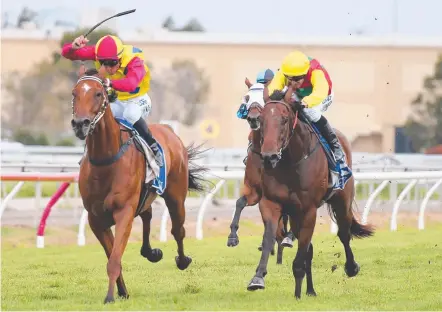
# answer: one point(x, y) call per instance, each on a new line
point(65, 142)
point(42, 96)
point(184, 87)
point(193, 25)
point(28, 138)
point(424, 126)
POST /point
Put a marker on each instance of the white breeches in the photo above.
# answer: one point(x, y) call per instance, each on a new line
point(314, 114)
point(133, 109)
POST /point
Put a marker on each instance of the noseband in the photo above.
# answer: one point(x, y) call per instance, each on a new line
point(103, 106)
point(292, 130)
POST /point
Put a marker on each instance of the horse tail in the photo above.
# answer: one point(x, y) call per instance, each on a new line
point(357, 229)
point(196, 172)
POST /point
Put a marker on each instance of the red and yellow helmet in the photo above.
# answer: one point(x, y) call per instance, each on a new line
point(109, 48)
point(295, 64)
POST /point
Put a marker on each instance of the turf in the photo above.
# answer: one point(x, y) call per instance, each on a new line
point(399, 271)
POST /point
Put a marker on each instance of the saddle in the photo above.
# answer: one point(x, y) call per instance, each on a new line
point(155, 176)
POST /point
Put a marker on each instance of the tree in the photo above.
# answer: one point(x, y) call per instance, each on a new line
point(26, 15)
point(43, 95)
point(169, 23)
point(179, 92)
point(193, 25)
point(424, 125)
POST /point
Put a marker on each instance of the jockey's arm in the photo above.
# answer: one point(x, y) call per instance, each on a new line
point(135, 73)
point(320, 89)
point(86, 53)
point(278, 83)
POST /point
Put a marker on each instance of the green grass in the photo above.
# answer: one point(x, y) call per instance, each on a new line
point(399, 271)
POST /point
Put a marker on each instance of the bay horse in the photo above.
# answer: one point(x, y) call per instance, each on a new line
point(112, 178)
point(251, 191)
point(295, 180)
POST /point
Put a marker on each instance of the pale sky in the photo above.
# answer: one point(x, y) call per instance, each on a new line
point(315, 17)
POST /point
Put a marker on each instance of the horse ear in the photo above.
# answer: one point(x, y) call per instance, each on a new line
point(288, 95)
point(247, 82)
point(81, 70)
point(266, 94)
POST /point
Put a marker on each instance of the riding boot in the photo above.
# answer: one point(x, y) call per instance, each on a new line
point(144, 131)
point(330, 135)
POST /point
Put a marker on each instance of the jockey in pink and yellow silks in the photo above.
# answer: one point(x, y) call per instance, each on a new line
point(313, 88)
point(127, 74)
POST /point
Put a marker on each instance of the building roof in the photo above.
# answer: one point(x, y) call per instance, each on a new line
point(162, 36)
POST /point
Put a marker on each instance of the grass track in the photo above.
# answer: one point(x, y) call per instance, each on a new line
point(399, 271)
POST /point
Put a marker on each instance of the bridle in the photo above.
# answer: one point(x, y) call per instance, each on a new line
point(103, 106)
point(292, 130)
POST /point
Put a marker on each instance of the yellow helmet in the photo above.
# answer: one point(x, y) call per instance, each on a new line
point(295, 64)
point(109, 48)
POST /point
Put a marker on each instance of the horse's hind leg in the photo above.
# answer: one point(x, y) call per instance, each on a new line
point(308, 271)
point(341, 205)
point(106, 239)
point(177, 213)
point(153, 255)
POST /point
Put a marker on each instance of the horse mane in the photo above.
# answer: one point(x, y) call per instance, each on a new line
point(91, 72)
point(277, 95)
point(112, 95)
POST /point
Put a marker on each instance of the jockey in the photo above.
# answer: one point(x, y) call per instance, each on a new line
point(264, 77)
point(127, 74)
point(313, 87)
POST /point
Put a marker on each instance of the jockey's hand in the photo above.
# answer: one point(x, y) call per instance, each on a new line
point(79, 42)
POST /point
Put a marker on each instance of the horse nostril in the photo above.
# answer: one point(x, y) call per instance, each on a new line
point(87, 122)
point(73, 123)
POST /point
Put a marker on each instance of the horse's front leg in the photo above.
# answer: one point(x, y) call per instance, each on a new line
point(123, 225)
point(153, 255)
point(106, 238)
point(270, 212)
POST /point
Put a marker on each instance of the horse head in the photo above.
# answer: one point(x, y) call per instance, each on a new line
point(254, 100)
point(278, 121)
point(89, 102)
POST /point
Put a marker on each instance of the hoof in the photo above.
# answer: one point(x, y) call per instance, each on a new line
point(109, 299)
point(260, 247)
point(232, 241)
point(352, 269)
point(123, 295)
point(256, 283)
point(311, 293)
point(183, 263)
point(155, 255)
point(287, 242)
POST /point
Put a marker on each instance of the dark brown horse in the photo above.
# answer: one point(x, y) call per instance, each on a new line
point(295, 180)
point(112, 179)
point(251, 192)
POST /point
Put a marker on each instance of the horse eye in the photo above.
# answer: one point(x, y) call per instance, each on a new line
point(98, 94)
point(285, 120)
